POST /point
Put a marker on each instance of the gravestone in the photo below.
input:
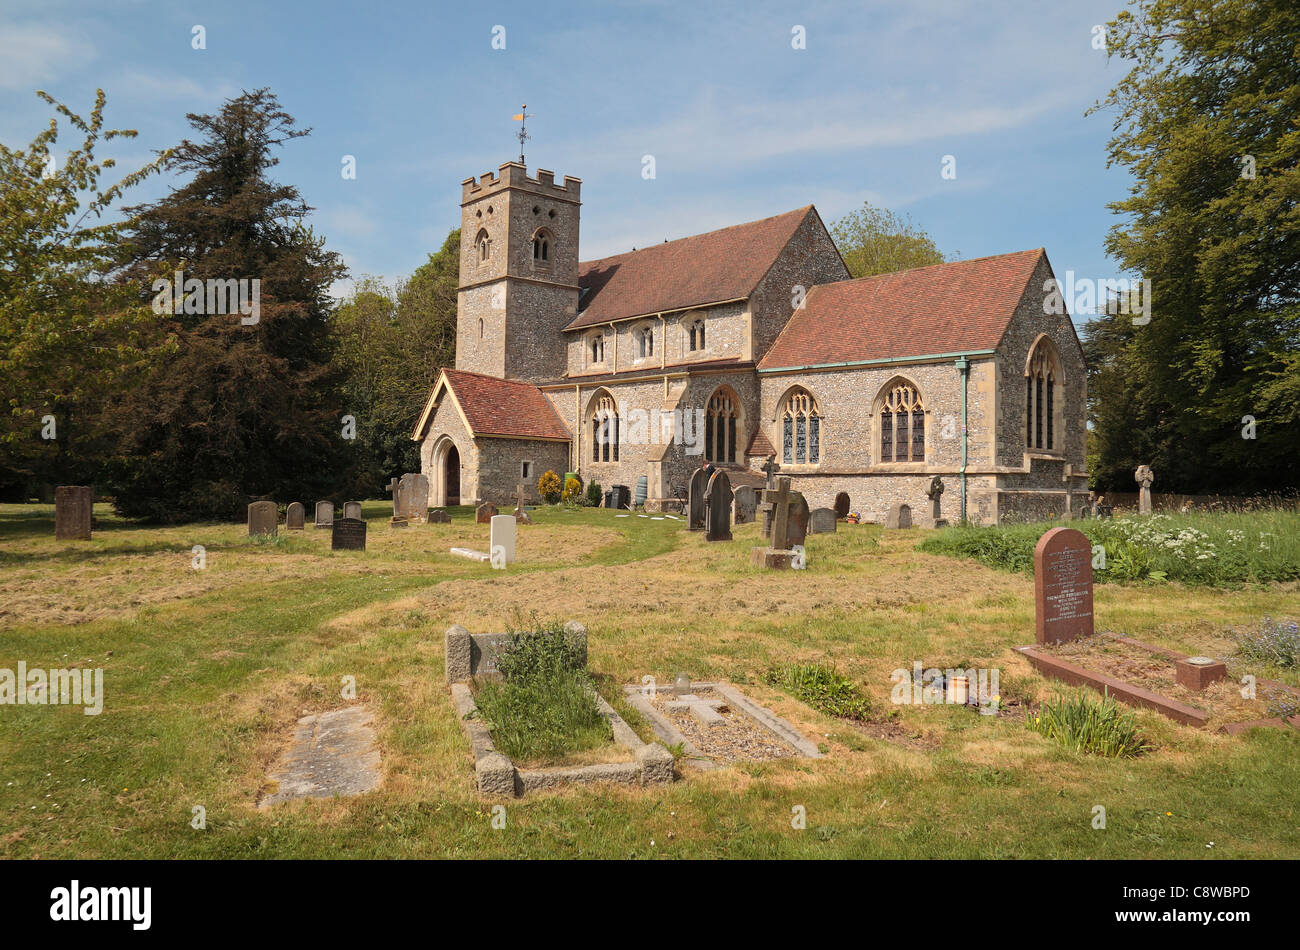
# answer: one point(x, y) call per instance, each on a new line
point(796, 528)
point(411, 499)
point(1062, 586)
point(718, 501)
point(475, 654)
point(1144, 477)
point(821, 521)
point(746, 504)
point(324, 514)
point(786, 515)
point(349, 534)
point(485, 513)
point(352, 509)
point(695, 500)
point(438, 516)
point(520, 514)
point(72, 512)
point(899, 516)
point(294, 516)
point(262, 518)
point(501, 539)
point(842, 505)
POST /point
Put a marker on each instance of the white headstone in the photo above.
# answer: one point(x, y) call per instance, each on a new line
point(502, 535)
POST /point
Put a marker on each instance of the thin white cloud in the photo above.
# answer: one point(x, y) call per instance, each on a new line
point(32, 55)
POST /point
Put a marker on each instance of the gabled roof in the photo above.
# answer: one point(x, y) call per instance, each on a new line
point(964, 306)
point(706, 268)
point(497, 408)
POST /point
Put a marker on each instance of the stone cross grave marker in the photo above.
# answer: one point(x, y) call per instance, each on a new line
point(695, 500)
point(262, 518)
point(1062, 586)
point(324, 514)
point(704, 710)
point(746, 504)
point(821, 521)
point(294, 516)
point(485, 513)
point(935, 494)
point(72, 512)
point(780, 502)
point(352, 509)
point(520, 514)
point(718, 500)
point(770, 468)
point(1144, 477)
point(349, 534)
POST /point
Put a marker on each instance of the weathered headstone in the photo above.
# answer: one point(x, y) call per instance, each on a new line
point(294, 516)
point(718, 499)
point(746, 504)
point(821, 521)
point(699, 484)
point(438, 516)
point(521, 515)
point(1062, 586)
point(796, 528)
point(469, 655)
point(785, 521)
point(349, 534)
point(842, 505)
point(899, 516)
point(501, 539)
point(352, 509)
point(485, 513)
point(324, 514)
point(72, 512)
point(262, 518)
point(1144, 477)
point(411, 498)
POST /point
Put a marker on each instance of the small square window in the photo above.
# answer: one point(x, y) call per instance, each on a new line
point(526, 470)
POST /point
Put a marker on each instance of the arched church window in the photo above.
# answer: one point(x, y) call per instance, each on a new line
point(800, 429)
point(598, 348)
point(1042, 397)
point(697, 335)
point(720, 423)
point(902, 424)
point(604, 430)
point(645, 342)
point(484, 245)
point(542, 248)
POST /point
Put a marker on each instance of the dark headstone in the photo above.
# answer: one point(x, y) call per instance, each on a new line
point(349, 534)
point(262, 518)
point(796, 528)
point(899, 516)
point(72, 512)
point(295, 516)
point(438, 516)
point(485, 512)
point(718, 499)
point(352, 509)
point(1062, 586)
point(821, 521)
point(842, 505)
point(746, 504)
point(695, 500)
point(324, 514)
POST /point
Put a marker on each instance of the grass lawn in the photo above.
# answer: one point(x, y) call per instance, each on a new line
point(206, 671)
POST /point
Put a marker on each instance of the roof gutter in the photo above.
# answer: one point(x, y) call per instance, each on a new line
point(886, 361)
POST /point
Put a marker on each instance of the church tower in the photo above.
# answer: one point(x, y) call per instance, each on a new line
point(518, 273)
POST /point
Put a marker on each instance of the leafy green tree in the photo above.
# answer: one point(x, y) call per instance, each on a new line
point(69, 340)
point(1207, 120)
point(878, 241)
point(249, 406)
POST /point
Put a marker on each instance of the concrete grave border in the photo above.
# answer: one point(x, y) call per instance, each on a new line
point(670, 735)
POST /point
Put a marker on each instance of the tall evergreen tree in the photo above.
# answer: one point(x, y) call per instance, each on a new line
point(1208, 122)
point(245, 409)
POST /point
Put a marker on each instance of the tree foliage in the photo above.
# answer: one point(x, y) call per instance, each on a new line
point(879, 241)
point(1207, 120)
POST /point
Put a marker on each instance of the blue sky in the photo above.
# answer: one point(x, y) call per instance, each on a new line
point(740, 124)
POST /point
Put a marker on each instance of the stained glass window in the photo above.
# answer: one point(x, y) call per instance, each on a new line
point(902, 425)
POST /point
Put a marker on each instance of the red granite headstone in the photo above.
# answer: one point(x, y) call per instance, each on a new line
point(1062, 586)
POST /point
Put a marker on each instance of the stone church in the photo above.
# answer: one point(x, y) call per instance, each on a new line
point(745, 343)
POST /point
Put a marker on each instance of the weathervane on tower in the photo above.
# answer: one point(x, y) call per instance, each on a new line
point(522, 118)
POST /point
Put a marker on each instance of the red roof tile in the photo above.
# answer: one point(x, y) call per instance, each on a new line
point(759, 445)
point(705, 268)
point(505, 407)
point(944, 308)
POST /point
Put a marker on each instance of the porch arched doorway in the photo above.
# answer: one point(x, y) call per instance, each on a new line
point(446, 474)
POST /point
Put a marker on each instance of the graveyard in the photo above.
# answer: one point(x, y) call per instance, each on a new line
point(226, 646)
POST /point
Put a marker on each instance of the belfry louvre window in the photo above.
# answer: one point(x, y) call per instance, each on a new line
point(801, 424)
point(484, 245)
point(542, 247)
point(902, 425)
point(1042, 380)
point(720, 428)
point(604, 430)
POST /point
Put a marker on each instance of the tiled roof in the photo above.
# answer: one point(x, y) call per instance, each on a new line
point(945, 308)
point(705, 268)
point(504, 407)
point(759, 445)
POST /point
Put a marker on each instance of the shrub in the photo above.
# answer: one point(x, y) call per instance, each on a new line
point(1089, 725)
point(821, 686)
point(1276, 642)
point(593, 495)
point(572, 491)
point(548, 486)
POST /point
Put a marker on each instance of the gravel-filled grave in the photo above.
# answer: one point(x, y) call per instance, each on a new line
point(733, 737)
